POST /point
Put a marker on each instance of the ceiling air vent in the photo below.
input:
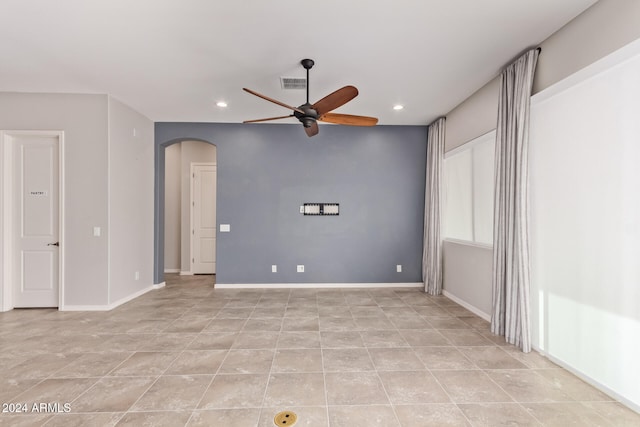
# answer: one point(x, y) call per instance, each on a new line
point(293, 82)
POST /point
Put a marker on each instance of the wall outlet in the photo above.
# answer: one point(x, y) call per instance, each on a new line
point(399, 268)
point(300, 268)
point(137, 275)
point(274, 268)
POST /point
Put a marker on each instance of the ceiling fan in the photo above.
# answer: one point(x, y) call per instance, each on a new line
point(309, 114)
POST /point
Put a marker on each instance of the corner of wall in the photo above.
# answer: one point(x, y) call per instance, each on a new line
point(130, 201)
point(601, 29)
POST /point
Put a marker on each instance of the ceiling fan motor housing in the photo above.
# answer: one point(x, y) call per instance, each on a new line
point(309, 117)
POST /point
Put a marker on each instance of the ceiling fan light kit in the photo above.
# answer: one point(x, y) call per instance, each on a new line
point(309, 114)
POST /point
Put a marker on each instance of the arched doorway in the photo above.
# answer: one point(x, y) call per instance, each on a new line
point(182, 165)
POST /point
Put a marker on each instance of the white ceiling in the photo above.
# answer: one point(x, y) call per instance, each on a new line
point(172, 60)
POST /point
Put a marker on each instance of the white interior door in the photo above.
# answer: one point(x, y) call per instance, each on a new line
point(35, 219)
point(203, 214)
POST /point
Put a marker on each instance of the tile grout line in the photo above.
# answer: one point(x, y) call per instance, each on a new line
point(187, 301)
point(213, 377)
point(156, 380)
point(275, 351)
point(377, 371)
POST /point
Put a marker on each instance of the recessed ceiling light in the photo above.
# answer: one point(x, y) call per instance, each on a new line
point(398, 107)
point(221, 104)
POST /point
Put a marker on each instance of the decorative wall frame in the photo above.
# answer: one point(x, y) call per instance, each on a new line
point(324, 209)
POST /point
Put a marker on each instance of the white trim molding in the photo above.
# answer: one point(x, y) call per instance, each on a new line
point(108, 307)
point(315, 285)
point(471, 308)
point(586, 378)
point(159, 285)
point(614, 59)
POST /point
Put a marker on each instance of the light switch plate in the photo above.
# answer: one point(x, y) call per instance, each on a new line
point(225, 228)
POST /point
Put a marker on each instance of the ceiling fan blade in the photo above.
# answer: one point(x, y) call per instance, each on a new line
point(348, 119)
point(267, 119)
point(312, 130)
point(335, 100)
point(273, 100)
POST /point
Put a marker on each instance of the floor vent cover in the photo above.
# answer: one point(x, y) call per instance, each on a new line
point(285, 418)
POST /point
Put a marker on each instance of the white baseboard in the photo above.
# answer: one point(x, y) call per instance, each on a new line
point(172, 270)
point(108, 307)
point(159, 285)
point(586, 378)
point(315, 285)
point(186, 273)
point(471, 308)
point(606, 390)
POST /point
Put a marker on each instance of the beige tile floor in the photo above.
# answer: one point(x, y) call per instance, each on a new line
point(191, 355)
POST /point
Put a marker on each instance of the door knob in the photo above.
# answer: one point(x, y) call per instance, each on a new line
point(53, 244)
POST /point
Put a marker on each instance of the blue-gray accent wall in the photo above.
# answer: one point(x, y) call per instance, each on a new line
point(266, 172)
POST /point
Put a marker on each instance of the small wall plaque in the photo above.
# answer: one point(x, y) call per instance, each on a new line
point(324, 209)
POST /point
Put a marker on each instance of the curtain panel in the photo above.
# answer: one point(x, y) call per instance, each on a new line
point(432, 244)
point(511, 277)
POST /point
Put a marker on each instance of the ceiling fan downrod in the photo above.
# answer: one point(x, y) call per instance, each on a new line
point(309, 117)
point(307, 64)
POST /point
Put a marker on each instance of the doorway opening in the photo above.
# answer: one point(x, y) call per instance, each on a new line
point(189, 208)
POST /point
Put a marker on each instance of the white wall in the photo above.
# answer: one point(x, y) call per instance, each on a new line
point(468, 282)
point(130, 202)
point(172, 208)
point(585, 224)
point(589, 331)
point(83, 118)
point(108, 183)
point(603, 28)
point(476, 116)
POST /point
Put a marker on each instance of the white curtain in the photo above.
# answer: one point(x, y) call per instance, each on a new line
point(432, 245)
point(511, 312)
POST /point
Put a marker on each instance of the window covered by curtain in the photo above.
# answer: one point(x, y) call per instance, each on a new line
point(468, 191)
point(511, 311)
